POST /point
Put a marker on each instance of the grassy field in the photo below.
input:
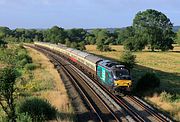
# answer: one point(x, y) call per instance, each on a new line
point(166, 65)
point(50, 85)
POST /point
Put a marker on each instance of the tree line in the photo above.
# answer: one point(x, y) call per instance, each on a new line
point(150, 28)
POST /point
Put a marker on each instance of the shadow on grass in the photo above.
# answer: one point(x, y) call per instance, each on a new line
point(169, 82)
point(176, 51)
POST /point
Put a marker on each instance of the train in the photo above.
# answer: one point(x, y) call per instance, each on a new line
point(111, 74)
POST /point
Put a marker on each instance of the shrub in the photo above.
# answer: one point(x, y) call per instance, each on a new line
point(8, 77)
point(31, 66)
point(168, 97)
point(38, 109)
point(147, 81)
point(106, 48)
point(23, 117)
point(128, 59)
point(3, 119)
point(23, 62)
point(24, 55)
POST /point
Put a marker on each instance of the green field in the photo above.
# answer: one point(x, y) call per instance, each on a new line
point(166, 65)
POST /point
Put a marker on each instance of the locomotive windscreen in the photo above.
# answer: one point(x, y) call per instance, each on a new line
point(121, 73)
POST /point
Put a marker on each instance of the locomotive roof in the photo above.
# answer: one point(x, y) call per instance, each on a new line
point(110, 64)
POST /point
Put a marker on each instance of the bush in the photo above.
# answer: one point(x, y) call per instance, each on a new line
point(24, 55)
point(147, 81)
point(23, 62)
point(31, 66)
point(168, 97)
point(23, 117)
point(38, 109)
point(128, 59)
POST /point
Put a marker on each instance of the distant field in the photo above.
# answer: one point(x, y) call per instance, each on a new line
point(165, 64)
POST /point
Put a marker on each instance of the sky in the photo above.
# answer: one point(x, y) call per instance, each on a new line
point(81, 13)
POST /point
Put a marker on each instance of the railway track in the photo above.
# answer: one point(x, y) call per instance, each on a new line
point(99, 109)
point(126, 111)
point(144, 106)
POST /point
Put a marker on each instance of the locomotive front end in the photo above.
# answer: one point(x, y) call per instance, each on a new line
point(122, 79)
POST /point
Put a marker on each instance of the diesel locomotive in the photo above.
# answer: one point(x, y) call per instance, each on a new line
point(111, 74)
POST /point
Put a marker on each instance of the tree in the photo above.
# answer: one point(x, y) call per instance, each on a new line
point(76, 35)
point(128, 59)
point(4, 31)
point(3, 43)
point(103, 39)
point(154, 27)
point(55, 35)
point(135, 43)
point(8, 76)
point(90, 39)
point(123, 35)
point(81, 46)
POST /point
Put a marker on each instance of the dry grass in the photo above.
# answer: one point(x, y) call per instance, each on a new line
point(55, 92)
point(156, 60)
point(173, 108)
point(165, 64)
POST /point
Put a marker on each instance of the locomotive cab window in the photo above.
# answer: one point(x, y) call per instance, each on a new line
point(118, 73)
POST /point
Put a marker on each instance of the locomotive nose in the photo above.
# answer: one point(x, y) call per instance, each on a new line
point(125, 83)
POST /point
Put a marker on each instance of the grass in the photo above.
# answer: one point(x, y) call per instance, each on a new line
point(41, 79)
point(51, 86)
point(166, 65)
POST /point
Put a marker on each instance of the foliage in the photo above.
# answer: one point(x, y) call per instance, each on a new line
point(128, 59)
point(3, 43)
point(81, 46)
point(8, 56)
point(23, 117)
point(55, 35)
point(67, 43)
point(155, 28)
point(135, 43)
point(102, 47)
point(102, 39)
point(165, 96)
point(90, 39)
point(147, 81)
point(31, 66)
point(76, 35)
point(23, 55)
point(123, 35)
point(38, 109)
point(4, 31)
point(8, 76)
